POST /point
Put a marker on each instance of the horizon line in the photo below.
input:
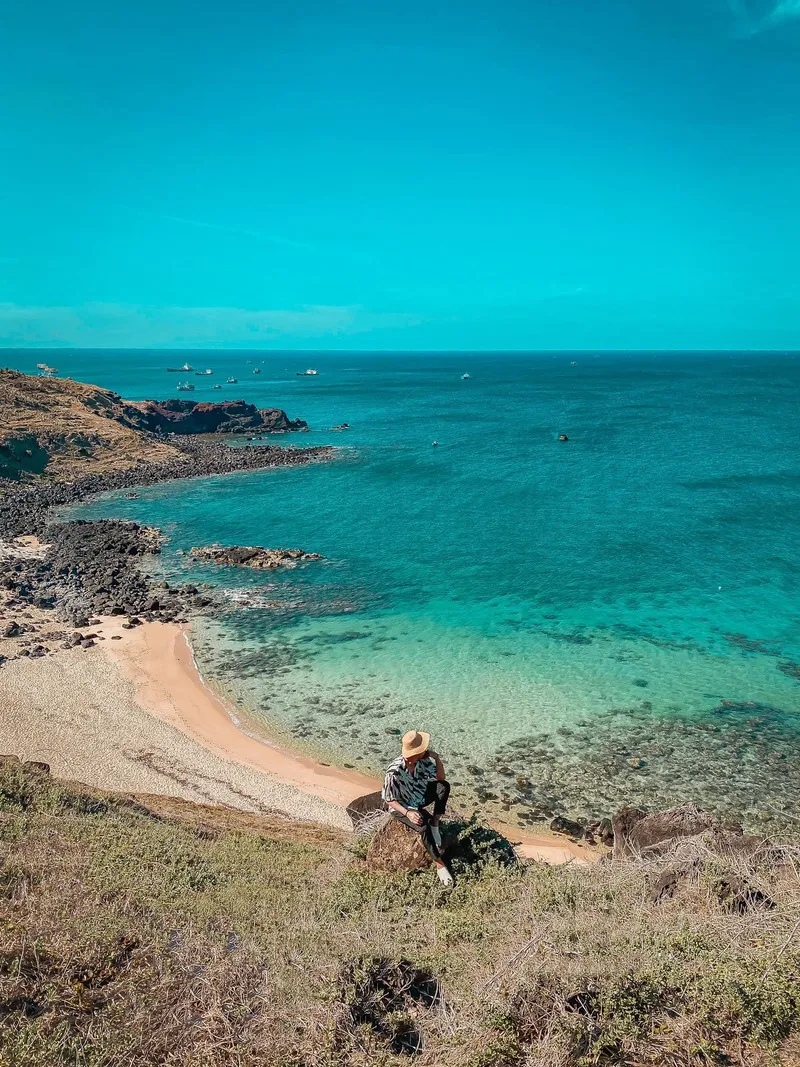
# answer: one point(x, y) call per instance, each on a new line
point(401, 351)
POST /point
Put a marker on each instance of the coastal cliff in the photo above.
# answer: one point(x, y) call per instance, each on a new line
point(56, 428)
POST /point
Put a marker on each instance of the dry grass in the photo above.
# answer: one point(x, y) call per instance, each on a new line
point(136, 937)
point(60, 428)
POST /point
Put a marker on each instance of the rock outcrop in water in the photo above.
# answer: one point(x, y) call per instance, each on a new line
point(230, 416)
point(252, 556)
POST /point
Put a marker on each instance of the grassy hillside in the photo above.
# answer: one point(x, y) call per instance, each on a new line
point(152, 932)
point(59, 428)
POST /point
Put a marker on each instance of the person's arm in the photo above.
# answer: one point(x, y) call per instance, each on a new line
point(389, 795)
point(409, 813)
point(439, 767)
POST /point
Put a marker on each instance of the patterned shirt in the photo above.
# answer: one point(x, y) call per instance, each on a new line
point(408, 787)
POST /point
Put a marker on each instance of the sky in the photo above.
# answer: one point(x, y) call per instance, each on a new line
point(400, 174)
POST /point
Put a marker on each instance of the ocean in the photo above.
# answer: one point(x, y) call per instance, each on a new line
point(580, 624)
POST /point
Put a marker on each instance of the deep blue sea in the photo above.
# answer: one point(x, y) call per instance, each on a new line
point(579, 624)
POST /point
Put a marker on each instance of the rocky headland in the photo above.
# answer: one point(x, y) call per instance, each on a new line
point(55, 429)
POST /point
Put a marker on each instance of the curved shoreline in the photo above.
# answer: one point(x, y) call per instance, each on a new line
point(158, 660)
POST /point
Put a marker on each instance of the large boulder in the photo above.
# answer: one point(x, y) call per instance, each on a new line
point(395, 847)
point(636, 832)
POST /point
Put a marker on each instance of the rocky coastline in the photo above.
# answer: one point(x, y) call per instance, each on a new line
point(90, 568)
point(25, 506)
point(86, 569)
point(65, 574)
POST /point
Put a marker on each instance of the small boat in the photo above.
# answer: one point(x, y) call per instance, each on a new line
point(465, 377)
point(185, 369)
point(256, 370)
point(306, 373)
point(185, 387)
point(202, 373)
point(435, 443)
point(217, 386)
point(47, 372)
point(232, 381)
point(574, 363)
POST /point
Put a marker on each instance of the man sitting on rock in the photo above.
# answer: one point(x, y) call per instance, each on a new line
point(413, 781)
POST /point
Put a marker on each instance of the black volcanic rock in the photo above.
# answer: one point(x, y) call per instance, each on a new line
point(252, 556)
point(230, 416)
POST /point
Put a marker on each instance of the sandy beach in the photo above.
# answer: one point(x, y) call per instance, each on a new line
point(134, 715)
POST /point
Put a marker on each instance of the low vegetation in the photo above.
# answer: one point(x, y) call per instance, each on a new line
point(146, 932)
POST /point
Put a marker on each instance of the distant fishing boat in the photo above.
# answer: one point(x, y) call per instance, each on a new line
point(232, 381)
point(185, 387)
point(185, 369)
point(202, 373)
point(47, 372)
point(217, 386)
point(256, 370)
point(465, 377)
point(306, 373)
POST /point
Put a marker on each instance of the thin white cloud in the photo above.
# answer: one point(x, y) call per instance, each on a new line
point(239, 231)
point(748, 24)
point(103, 325)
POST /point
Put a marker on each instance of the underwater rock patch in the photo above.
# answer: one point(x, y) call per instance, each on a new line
point(743, 765)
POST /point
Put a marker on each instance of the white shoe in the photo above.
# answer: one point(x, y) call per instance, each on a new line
point(436, 834)
point(445, 877)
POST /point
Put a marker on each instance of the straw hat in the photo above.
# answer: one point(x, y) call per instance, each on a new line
point(415, 742)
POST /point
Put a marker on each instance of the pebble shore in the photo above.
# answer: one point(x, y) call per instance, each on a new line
point(25, 507)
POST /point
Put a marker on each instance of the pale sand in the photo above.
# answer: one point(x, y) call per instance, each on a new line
point(135, 715)
point(78, 712)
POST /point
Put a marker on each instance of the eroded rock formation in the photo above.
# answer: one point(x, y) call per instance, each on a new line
point(229, 416)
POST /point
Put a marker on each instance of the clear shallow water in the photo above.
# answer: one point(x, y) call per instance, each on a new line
point(612, 619)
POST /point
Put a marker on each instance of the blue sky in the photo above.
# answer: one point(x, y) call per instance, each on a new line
point(401, 175)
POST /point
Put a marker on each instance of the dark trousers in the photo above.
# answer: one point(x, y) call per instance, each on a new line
point(436, 793)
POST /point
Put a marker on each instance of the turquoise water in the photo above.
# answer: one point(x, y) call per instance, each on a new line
point(612, 619)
